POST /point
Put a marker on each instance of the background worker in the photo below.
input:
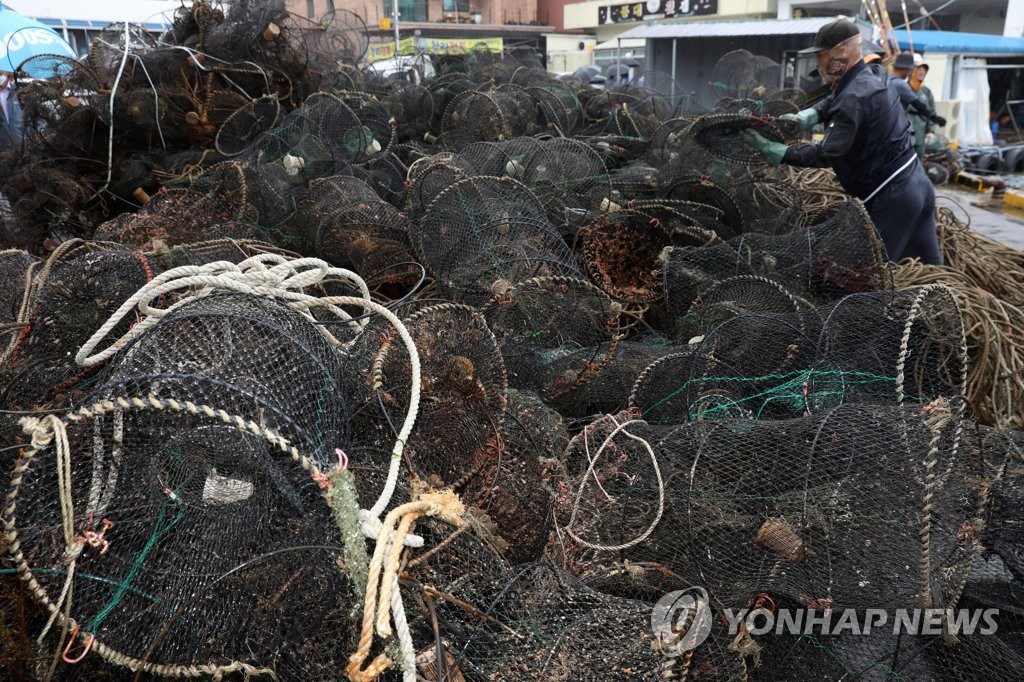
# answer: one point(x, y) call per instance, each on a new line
point(922, 118)
point(868, 142)
point(10, 113)
point(918, 108)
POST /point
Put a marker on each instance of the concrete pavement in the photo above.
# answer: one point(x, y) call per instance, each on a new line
point(1001, 222)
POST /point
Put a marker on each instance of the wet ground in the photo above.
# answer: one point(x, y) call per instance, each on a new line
point(1003, 223)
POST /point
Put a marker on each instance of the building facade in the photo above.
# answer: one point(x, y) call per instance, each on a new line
point(465, 13)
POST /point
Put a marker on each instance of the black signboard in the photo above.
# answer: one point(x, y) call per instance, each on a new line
point(654, 9)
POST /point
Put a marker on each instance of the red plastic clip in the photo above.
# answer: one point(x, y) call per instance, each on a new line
point(71, 642)
point(97, 539)
point(504, 299)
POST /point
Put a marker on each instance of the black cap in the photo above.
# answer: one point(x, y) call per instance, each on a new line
point(831, 34)
point(904, 60)
point(868, 47)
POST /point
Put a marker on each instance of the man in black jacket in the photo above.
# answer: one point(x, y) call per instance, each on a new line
point(868, 142)
point(909, 98)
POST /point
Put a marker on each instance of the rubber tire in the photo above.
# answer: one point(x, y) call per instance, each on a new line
point(1011, 160)
point(936, 172)
point(986, 162)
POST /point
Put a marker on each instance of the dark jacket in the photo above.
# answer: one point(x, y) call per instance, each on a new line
point(867, 134)
point(908, 97)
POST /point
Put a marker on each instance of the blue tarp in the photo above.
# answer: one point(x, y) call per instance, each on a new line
point(960, 43)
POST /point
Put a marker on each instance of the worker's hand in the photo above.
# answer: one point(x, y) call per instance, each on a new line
point(772, 151)
point(806, 118)
point(939, 121)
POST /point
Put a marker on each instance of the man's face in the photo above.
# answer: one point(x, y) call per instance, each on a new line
point(833, 63)
point(901, 73)
point(920, 72)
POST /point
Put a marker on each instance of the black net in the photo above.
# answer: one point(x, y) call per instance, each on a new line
point(620, 253)
point(782, 507)
point(247, 123)
point(507, 486)
point(895, 348)
point(544, 323)
point(483, 235)
point(72, 294)
point(15, 277)
point(463, 393)
point(840, 255)
point(756, 409)
point(199, 540)
point(541, 622)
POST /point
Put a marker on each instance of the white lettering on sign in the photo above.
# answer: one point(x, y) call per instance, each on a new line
point(16, 40)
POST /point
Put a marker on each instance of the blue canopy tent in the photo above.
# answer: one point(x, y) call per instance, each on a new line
point(977, 72)
point(21, 38)
point(954, 42)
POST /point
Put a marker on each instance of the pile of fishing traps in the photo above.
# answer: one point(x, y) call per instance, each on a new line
point(308, 373)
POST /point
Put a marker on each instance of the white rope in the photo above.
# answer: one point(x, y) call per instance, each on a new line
point(113, 93)
point(273, 275)
point(199, 65)
point(593, 461)
point(284, 280)
point(370, 518)
point(156, 103)
point(405, 644)
point(44, 431)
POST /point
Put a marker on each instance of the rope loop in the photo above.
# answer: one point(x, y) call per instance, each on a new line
point(383, 599)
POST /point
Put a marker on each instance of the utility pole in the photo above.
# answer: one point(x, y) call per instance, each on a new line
point(394, 10)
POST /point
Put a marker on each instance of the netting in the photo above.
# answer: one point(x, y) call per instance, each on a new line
point(621, 250)
point(784, 507)
point(541, 322)
point(198, 540)
point(474, 372)
point(744, 80)
point(506, 486)
point(463, 395)
point(16, 267)
point(482, 235)
point(71, 295)
point(839, 255)
point(901, 347)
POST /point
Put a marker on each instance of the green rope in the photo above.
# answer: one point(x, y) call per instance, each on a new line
point(790, 390)
point(344, 502)
point(320, 412)
point(159, 530)
point(87, 576)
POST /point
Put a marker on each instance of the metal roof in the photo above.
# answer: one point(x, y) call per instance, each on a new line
point(728, 29)
point(960, 43)
point(97, 14)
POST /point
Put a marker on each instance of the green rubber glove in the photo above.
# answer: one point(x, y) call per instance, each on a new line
point(807, 118)
point(772, 151)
